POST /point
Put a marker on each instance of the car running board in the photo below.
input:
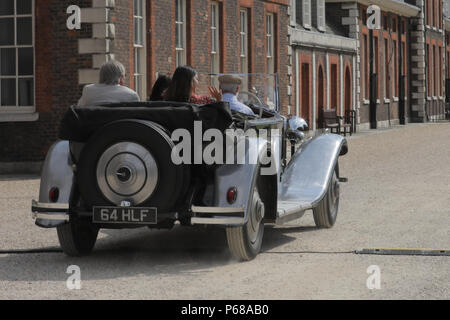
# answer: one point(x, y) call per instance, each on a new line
point(291, 210)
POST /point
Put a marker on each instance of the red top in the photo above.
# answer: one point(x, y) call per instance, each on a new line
point(201, 99)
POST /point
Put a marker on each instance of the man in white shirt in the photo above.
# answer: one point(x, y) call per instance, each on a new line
point(111, 88)
point(230, 86)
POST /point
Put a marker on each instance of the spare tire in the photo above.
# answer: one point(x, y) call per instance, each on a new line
point(130, 160)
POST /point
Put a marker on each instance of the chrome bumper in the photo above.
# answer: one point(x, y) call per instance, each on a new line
point(49, 215)
point(226, 216)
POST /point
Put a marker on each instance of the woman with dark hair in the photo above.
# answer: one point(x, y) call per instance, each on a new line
point(184, 85)
point(159, 88)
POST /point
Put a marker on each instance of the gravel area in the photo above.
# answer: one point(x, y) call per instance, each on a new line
point(397, 197)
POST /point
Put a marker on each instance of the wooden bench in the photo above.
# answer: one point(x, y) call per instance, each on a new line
point(335, 123)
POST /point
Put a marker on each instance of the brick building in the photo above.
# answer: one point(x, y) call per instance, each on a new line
point(346, 43)
point(428, 56)
point(44, 65)
point(406, 82)
point(323, 61)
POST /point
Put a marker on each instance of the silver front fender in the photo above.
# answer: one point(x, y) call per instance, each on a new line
point(57, 172)
point(308, 174)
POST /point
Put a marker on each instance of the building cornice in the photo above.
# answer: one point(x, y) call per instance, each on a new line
point(395, 6)
point(322, 40)
point(447, 24)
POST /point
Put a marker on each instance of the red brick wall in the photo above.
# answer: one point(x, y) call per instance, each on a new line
point(56, 77)
point(161, 48)
point(123, 44)
point(58, 61)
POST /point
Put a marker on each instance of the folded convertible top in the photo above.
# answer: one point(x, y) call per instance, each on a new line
point(79, 123)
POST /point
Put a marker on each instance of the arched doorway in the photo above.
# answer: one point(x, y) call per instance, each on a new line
point(320, 97)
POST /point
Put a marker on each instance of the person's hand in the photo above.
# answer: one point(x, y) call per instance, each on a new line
point(216, 94)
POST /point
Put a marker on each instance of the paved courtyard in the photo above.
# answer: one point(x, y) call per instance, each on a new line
point(398, 196)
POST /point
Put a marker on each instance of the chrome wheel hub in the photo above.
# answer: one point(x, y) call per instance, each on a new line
point(127, 171)
point(334, 195)
point(256, 215)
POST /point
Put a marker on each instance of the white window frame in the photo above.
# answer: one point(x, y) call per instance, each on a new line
point(215, 37)
point(293, 11)
point(140, 65)
point(270, 43)
point(243, 37)
point(270, 53)
point(321, 22)
point(306, 14)
point(244, 45)
point(21, 109)
point(180, 23)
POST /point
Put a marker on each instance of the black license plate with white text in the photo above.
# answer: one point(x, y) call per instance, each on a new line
point(127, 215)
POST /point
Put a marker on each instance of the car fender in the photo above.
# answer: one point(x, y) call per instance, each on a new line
point(57, 172)
point(241, 176)
point(308, 174)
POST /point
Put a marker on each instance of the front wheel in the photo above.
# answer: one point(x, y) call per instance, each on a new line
point(245, 242)
point(78, 237)
point(325, 214)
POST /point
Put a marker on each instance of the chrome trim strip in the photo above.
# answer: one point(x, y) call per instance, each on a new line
point(53, 206)
point(49, 216)
point(218, 221)
point(217, 210)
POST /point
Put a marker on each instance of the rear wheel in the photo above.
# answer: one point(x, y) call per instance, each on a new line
point(78, 237)
point(325, 214)
point(245, 242)
point(131, 161)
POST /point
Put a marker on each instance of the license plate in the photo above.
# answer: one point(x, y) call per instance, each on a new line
point(127, 215)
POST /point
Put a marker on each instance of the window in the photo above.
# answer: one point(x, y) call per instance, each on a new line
point(215, 38)
point(429, 12)
point(305, 93)
point(387, 83)
point(429, 83)
point(366, 67)
point(244, 45)
point(334, 87)
point(319, 11)
point(16, 56)
point(180, 32)
point(440, 70)
point(139, 48)
point(396, 79)
point(376, 65)
point(270, 43)
point(293, 17)
point(306, 14)
point(436, 71)
point(270, 56)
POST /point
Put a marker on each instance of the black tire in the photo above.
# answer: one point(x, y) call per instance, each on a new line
point(325, 214)
point(171, 178)
point(77, 238)
point(244, 245)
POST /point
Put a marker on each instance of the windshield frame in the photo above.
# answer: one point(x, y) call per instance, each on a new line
point(260, 75)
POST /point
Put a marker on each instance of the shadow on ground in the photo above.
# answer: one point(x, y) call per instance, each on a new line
point(125, 253)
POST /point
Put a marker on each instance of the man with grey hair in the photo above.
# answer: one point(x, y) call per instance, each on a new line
point(111, 88)
point(230, 85)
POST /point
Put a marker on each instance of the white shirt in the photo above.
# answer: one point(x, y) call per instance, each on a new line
point(98, 94)
point(236, 105)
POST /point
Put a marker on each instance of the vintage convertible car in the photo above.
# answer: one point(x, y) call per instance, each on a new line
point(114, 167)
